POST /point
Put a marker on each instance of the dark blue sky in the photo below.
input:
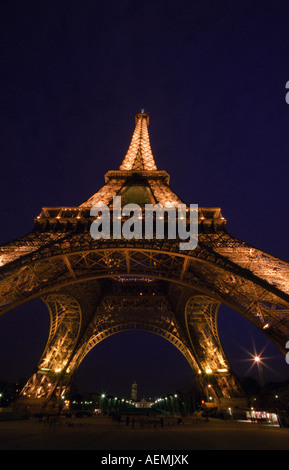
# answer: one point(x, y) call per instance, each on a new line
point(211, 74)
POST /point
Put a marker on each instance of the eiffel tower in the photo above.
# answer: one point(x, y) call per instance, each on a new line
point(94, 288)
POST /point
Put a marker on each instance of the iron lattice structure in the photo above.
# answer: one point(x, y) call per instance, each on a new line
point(96, 288)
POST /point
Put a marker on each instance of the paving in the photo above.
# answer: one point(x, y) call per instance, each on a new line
point(106, 435)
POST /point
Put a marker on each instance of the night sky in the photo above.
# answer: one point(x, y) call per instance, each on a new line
point(212, 76)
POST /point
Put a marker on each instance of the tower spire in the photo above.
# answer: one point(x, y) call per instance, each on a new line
point(139, 155)
point(138, 160)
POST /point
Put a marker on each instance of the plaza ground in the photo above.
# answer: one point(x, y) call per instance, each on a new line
point(106, 435)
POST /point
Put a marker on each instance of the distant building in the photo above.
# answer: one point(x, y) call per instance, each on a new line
point(143, 404)
point(134, 391)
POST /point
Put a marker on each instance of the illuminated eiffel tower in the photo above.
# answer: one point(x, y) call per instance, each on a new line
point(97, 288)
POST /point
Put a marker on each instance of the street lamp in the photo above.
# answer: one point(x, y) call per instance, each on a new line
point(258, 361)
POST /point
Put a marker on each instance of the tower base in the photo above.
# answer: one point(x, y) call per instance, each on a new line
point(36, 406)
point(233, 403)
